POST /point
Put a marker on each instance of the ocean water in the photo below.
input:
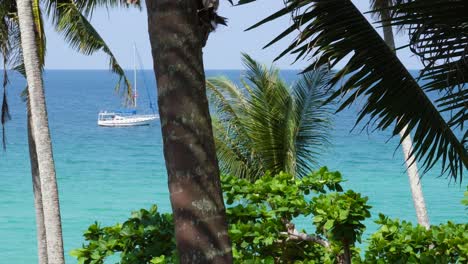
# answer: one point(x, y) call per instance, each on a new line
point(105, 173)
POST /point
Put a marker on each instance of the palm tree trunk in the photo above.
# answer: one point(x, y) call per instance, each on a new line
point(407, 144)
point(41, 135)
point(414, 179)
point(189, 150)
point(40, 228)
point(346, 252)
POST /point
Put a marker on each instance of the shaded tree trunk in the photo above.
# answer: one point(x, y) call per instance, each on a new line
point(407, 144)
point(40, 228)
point(40, 134)
point(194, 185)
point(346, 252)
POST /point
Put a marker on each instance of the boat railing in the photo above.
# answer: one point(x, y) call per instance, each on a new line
point(109, 115)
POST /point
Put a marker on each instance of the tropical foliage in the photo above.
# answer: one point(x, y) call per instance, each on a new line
point(261, 217)
point(266, 125)
point(335, 31)
point(406, 142)
point(438, 35)
point(401, 242)
point(262, 213)
point(147, 234)
point(70, 19)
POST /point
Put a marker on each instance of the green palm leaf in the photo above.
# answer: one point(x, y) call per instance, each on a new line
point(233, 158)
point(4, 51)
point(16, 54)
point(69, 21)
point(82, 36)
point(312, 125)
point(88, 6)
point(229, 103)
point(40, 33)
point(438, 31)
point(264, 125)
point(9, 49)
point(334, 31)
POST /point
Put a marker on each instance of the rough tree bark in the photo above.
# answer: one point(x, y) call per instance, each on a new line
point(40, 228)
point(40, 134)
point(195, 191)
point(407, 144)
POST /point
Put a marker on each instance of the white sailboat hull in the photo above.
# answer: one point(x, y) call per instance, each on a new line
point(125, 121)
point(128, 117)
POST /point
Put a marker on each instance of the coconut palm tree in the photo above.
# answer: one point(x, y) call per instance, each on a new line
point(40, 134)
point(265, 125)
point(333, 31)
point(10, 38)
point(177, 35)
point(407, 145)
point(68, 18)
point(199, 192)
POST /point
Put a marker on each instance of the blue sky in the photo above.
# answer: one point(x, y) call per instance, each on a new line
point(122, 27)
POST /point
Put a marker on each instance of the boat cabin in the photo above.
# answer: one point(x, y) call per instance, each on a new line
point(115, 115)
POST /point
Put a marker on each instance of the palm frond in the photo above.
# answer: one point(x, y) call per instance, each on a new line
point(264, 125)
point(313, 118)
point(11, 46)
point(438, 31)
point(16, 59)
point(377, 6)
point(40, 33)
point(82, 36)
point(6, 50)
point(231, 136)
point(88, 6)
point(267, 106)
point(234, 160)
point(335, 30)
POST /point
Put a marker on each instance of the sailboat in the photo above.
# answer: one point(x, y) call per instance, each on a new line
point(127, 117)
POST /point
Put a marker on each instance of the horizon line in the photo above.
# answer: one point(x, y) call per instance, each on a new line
point(148, 69)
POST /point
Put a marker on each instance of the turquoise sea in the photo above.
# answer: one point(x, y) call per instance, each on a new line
point(104, 173)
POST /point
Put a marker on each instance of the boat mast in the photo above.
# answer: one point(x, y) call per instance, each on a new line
point(134, 77)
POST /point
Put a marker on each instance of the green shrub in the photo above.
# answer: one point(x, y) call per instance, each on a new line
point(146, 236)
point(261, 218)
point(401, 242)
point(259, 214)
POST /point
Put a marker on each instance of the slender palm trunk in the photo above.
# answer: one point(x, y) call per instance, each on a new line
point(346, 252)
point(41, 135)
point(414, 180)
point(189, 150)
point(407, 144)
point(40, 228)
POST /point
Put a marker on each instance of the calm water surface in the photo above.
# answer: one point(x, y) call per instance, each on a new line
point(104, 173)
